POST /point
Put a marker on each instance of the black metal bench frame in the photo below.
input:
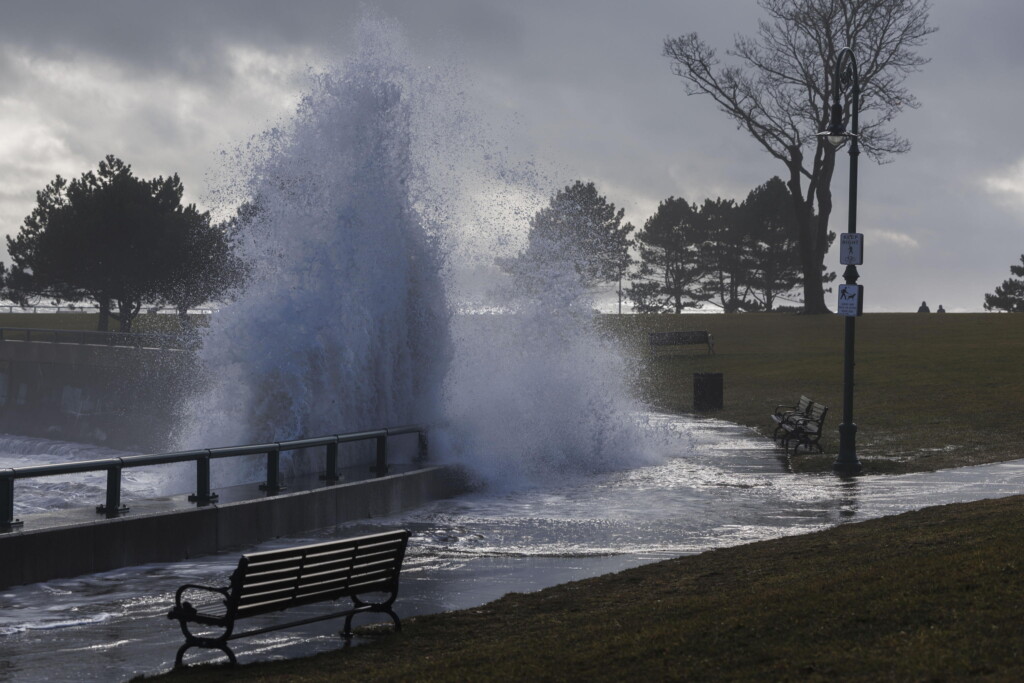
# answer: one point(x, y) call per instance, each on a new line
point(277, 580)
point(677, 338)
point(789, 414)
point(804, 428)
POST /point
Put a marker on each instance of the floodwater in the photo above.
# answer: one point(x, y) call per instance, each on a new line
point(728, 486)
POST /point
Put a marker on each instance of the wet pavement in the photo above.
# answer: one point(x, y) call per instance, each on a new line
point(727, 486)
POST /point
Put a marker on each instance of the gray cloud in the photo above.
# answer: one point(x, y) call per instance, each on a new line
point(168, 85)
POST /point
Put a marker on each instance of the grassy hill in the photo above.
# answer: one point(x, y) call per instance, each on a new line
point(932, 391)
point(932, 595)
point(928, 595)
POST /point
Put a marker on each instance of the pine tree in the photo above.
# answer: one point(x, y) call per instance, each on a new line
point(114, 239)
point(767, 217)
point(728, 255)
point(671, 263)
point(1009, 296)
point(578, 230)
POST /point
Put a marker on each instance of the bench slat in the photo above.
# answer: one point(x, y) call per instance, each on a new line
point(670, 338)
point(283, 566)
point(385, 538)
point(340, 587)
point(316, 593)
point(681, 338)
point(290, 586)
point(257, 580)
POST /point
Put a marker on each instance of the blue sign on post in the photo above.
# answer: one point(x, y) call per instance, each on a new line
point(851, 249)
point(851, 300)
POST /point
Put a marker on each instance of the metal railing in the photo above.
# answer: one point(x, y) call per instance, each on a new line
point(135, 339)
point(204, 495)
point(92, 309)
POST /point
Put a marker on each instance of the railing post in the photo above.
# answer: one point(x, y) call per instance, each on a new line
point(331, 464)
point(382, 455)
point(113, 507)
point(273, 484)
point(7, 520)
point(421, 442)
point(203, 496)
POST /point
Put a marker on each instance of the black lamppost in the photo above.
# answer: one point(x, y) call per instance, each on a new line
point(851, 250)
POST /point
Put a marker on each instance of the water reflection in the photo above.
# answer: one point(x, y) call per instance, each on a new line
point(727, 487)
point(848, 489)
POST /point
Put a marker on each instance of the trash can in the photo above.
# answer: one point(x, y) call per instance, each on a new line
point(707, 391)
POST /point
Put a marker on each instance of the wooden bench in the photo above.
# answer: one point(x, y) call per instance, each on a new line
point(804, 428)
point(277, 580)
point(784, 414)
point(659, 339)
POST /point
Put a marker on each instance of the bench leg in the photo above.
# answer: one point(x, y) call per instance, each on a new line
point(398, 622)
point(347, 632)
point(222, 647)
point(181, 653)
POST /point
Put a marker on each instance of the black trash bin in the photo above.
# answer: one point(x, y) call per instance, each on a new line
point(707, 391)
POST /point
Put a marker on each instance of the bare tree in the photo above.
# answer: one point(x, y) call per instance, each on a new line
point(780, 93)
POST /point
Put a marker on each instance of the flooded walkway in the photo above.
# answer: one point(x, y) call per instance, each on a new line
point(728, 486)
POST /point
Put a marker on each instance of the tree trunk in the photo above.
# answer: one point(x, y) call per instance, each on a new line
point(812, 252)
point(127, 311)
point(184, 322)
point(814, 288)
point(104, 323)
point(823, 193)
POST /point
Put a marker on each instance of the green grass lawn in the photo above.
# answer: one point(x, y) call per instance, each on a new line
point(932, 595)
point(167, 324)
point(929, 595)
point(932, 391)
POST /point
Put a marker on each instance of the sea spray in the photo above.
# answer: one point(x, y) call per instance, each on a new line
point(369, 216)
point(344, 324)
point(535, 393)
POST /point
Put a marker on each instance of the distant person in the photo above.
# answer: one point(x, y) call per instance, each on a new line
point(941, 309)
point(924, 308)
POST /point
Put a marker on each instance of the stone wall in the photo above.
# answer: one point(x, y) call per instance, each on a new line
point(118, 396)
point(105, 544)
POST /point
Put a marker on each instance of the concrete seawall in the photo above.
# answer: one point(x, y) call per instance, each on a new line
point(119, 396)
point(42, 554)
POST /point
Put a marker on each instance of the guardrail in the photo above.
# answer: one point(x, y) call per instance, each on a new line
point(112, 506)
point(81, 308)
point(135, 339)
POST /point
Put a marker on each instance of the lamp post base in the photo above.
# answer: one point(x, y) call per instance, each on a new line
point(847, 464)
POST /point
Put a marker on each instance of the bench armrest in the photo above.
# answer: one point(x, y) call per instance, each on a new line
point(184, 607)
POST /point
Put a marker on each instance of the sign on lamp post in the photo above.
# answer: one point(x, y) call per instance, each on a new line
point(851, 300)
point(851, 249)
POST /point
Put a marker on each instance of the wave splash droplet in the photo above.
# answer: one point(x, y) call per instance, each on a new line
point(359, 248)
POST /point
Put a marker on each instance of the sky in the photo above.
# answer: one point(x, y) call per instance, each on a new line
point(579, 86)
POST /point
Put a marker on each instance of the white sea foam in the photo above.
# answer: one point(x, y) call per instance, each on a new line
point(380, 207)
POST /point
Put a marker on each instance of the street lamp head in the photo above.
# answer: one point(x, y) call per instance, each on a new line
point(836, 135)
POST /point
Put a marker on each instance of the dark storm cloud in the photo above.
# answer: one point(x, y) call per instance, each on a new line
point(189, 37)
point(168, 84)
